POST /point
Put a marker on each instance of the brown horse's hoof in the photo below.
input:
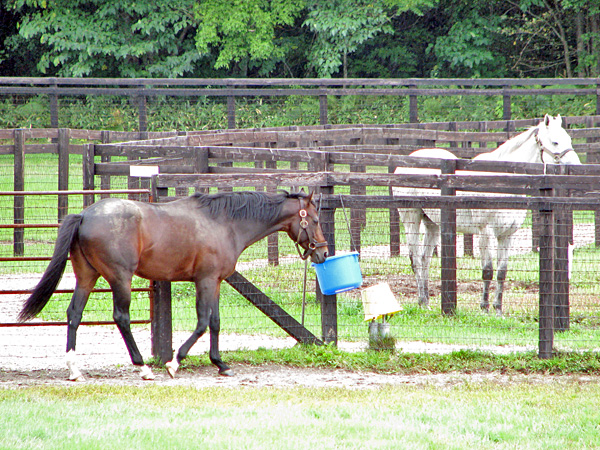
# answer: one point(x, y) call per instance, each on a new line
point(226, 373)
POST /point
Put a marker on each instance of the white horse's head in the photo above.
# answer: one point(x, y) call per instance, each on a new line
point(554, 142)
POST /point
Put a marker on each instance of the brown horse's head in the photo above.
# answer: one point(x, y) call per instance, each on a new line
point(304, 229)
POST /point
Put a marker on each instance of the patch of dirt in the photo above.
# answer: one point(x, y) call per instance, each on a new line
point(275, 376)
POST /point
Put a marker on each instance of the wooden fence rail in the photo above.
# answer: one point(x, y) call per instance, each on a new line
point(141, 89)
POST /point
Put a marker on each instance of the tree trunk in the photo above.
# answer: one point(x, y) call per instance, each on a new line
point(581, 69)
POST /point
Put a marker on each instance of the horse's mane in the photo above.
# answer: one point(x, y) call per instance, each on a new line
point(251, 205)
point(515, 142)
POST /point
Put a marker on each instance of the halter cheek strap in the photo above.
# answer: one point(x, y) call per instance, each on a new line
point(556, 157)
point(312, 244)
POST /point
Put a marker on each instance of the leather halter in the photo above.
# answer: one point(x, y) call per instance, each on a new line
point(312, 244)
point(556, 157)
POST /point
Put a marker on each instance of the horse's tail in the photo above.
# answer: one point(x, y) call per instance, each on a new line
point(47, 285)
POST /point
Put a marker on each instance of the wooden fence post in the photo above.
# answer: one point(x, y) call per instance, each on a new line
point(161, 328)
point(329, 329)
point(323, 118)
point(105, 138)
point(19, 185)
point(231, 112)
point(448, 240)
point(506, 105)
point(328, 302)
point(88, 173)
point(53, 105)
point(63, 171)
point(413, 107)
point(546, 281)
point(161, 314)
point(142, 113)
point(562, 236)
point(394, 224)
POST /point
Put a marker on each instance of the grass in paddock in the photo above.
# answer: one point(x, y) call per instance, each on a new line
point(469, 415)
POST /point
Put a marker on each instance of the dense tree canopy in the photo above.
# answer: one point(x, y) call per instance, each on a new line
point(300, 38)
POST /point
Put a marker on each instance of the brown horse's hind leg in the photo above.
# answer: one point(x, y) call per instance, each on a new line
point(207, 310)
point(121, 301)
point(86, 277)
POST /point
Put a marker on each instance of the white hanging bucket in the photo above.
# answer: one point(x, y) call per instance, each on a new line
point(379, 301)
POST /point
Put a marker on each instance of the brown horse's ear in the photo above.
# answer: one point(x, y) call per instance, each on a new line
point(310, 196)
point(302, 190)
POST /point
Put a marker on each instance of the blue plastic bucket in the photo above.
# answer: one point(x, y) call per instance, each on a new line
point(339, 273)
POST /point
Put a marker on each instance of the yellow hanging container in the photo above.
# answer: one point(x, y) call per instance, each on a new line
point(379, 301)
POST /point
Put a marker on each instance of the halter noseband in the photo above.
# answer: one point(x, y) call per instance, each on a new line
point(312, 244)
point(543, 149)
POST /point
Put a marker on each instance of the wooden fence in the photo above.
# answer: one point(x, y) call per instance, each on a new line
point(320, 157)
point(141, 89)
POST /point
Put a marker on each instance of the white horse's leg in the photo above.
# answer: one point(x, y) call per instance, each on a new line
point(430, 242)
point(411, 218)
point(504, 243)
point(487, 267)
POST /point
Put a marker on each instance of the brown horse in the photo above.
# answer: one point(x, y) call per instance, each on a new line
point(198, 239)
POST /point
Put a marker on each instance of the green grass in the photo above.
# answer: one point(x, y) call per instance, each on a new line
point(467, 415)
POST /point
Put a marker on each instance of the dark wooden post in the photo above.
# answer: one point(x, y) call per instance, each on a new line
point(142, 114)
point(448, 240)
point(358, 215)
point(63, 172)
point(562, 236)
point(506, 105)
point(19, 185)
point(231, 112)
point(329, 330)
point(105, 179)
point(546, 281)
point(413, 106)
point(328, 302)
point(161, 328)
point(323, 118)
point(394, 224)
point(53, 105)
point(88, 173)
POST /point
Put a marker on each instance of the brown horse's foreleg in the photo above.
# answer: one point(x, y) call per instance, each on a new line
point(207, 310)
point(121, 302)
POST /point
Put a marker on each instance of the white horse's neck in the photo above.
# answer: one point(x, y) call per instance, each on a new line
point(521, 148)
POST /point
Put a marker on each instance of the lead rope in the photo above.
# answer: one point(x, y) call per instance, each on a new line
point(306, 268)
point(352, 245)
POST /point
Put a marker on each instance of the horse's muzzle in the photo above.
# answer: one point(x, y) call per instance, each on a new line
point(319, 254)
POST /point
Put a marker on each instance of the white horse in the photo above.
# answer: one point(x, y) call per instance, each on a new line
point(546, 143)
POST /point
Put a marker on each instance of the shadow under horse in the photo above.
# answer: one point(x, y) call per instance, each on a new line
point(197, 239)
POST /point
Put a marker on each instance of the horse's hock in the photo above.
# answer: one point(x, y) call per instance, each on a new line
point(350, 169)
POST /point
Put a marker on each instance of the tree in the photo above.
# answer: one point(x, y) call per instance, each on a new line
point(243, 32)
point(111, 37)
point(341, 26)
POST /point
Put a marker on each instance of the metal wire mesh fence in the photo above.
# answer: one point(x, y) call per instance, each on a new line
point(415, 328)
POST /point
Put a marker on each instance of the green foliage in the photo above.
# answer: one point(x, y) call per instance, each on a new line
point(341, 26)
point(111, 38)
point(244, 32)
